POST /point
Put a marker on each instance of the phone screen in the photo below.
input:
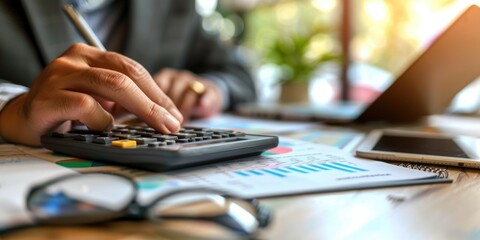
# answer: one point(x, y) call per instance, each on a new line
point(420, 145)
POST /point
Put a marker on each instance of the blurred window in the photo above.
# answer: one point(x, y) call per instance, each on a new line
point(386, 37)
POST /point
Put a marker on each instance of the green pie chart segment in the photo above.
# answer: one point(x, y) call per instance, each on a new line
point(78, 163)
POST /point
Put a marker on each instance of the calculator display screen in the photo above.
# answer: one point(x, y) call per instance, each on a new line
point(420, 145)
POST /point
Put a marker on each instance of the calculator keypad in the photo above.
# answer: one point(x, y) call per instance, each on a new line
point(133, 136)
point(145, 148)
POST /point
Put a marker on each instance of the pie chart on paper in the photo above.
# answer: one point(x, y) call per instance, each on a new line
point(277, 150)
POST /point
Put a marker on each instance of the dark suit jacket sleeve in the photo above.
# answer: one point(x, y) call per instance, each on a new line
point(211, 58)
point(34, 33)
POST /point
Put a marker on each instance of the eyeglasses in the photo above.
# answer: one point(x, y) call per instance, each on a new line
point(97, 197)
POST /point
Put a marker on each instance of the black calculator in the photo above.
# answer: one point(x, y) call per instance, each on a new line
point(143, 147)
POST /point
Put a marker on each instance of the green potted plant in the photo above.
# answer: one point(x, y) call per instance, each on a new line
point(291, 53)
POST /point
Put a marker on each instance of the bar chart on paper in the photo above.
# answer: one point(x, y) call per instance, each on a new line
point(292, 167)
point(284, 172)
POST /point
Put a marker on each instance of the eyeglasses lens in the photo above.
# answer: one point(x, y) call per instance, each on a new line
point(81, 199)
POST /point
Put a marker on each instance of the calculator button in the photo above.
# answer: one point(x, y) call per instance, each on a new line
point(121, 130)
point(182, 140)
point(186, 130)
point(220, 131)
point(149, 129)
point(124, 143)
point(106, 134)
point(85, 137)
point(201, 133)
point(104, 140)
point(126, 135)
point(216, 136)
point(183, 135)
point(146, 134)
point(144, 140)
point(162, 138)
point(156, 144)
point(169, 142)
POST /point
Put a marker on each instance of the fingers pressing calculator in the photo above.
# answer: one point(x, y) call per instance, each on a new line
point(143, 147)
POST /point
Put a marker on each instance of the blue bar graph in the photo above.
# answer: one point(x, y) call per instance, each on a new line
point(337, 168)
point(273, 173)
point(296, 169)
point(349, 166)
point(318, 167)
point(309, 168)
point(283, 172)
point(242, 173)
point(255, 172)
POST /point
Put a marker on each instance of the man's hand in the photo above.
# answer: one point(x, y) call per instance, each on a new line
point(180, 87)
point(90, 86)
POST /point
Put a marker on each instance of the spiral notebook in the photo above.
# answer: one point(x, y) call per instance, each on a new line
point(440, 172)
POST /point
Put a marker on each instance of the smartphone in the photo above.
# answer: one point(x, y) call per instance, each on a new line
point(421, 147)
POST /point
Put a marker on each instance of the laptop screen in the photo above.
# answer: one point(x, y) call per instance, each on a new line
point(430, 83)
point(427, 86)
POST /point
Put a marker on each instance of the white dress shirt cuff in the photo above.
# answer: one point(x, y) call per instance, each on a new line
point(9, 91)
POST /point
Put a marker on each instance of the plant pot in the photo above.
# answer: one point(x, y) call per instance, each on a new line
point(294, 93)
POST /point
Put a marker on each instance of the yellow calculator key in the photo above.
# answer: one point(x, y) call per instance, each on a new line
point(124, 143)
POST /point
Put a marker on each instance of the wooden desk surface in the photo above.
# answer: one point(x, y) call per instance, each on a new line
point(439, 211)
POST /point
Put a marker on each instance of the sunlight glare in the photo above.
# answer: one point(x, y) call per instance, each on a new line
point(377, 10)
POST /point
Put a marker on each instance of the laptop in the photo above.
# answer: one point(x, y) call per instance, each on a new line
point(426, 87)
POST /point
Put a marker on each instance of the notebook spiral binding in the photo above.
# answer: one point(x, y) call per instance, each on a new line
point(441, 172)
